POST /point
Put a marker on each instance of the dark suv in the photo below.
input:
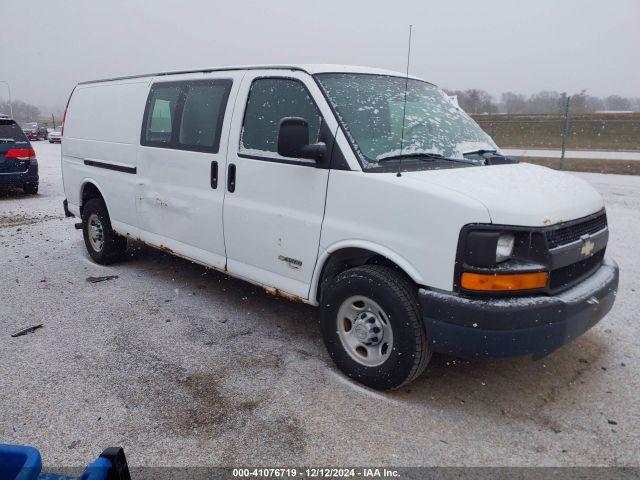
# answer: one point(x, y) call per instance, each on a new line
point(18, 164)
point(35, 130)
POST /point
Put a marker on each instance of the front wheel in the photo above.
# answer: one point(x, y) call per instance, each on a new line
point(103, 244)
point(372, 327)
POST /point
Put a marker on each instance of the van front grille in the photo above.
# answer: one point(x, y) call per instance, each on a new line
point(571, 233)
point(568, 276)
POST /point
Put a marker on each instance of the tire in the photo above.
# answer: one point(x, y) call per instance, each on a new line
point(362, 291)
point(30, 188)
point(103, 244)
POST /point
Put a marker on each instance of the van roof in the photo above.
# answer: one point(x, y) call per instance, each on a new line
point(308, 68)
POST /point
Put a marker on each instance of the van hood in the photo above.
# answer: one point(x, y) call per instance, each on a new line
point(519, 194)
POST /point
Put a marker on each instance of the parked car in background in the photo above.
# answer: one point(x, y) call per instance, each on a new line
point(35, 130)
point(4, 116)
point(55, 135)
point(18, 163)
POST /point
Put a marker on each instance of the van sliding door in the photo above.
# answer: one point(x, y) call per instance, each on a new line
point(183, 151)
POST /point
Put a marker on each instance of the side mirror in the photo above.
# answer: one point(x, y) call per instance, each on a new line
point(293, 140)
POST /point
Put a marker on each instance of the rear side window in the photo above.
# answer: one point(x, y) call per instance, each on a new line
point(270, 100)
point(10, 132)
point(202, 116)
point(186, 115)
point(161, 108)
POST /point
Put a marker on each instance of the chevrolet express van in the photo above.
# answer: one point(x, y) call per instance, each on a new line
point(367, 194)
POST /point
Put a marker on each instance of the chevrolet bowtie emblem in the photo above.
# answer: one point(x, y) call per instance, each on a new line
point(587, 247)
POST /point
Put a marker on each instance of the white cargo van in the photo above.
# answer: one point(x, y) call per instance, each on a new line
point(360, 191)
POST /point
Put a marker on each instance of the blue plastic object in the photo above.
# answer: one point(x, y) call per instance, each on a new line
point(19, 463)
point(24, 463)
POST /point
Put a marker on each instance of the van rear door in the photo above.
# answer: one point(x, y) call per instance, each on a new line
point(180, 162)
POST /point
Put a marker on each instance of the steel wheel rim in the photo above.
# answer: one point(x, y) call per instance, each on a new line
point(95, 232)
point(364, 331)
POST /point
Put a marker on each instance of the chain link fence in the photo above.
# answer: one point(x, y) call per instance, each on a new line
point(592, 132)
point(607, 132)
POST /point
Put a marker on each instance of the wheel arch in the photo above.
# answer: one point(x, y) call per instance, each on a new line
point(344, 255)
point(89, 189)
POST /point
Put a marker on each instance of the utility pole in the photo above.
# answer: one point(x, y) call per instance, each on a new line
point(53, 121)
point(565, 131)
point(10, 103)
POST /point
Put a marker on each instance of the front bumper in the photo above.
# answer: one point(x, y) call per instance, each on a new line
point(507, 327)
point(20, 178)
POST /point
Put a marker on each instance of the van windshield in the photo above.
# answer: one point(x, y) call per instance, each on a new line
point(371, 107)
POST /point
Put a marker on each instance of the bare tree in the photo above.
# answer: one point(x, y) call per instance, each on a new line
point(545, 102)
point(514, 103)
point(22, 112)
point(593, 104)
point(475, 101)
point(616, 102)
point(578, 102)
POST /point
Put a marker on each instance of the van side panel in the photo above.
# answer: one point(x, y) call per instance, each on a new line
point(398, 218)
point(101, 138)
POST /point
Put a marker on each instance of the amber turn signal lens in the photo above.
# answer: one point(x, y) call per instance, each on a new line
point(503, 282)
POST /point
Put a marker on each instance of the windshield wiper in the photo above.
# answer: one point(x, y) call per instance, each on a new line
point(419, 156)
point(494, 158)
point(481, 151)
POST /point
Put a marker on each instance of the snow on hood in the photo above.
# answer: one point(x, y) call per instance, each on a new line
point(521, 193)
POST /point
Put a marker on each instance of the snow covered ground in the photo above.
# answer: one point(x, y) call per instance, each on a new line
point(595, 154)
point(184, 366)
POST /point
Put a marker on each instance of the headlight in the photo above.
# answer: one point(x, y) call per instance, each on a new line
point(504, 248)
point(496, 258)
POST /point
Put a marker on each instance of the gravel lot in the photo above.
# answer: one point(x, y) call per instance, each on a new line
point(184, 366)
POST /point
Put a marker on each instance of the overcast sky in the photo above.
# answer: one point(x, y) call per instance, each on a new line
point(47, 46)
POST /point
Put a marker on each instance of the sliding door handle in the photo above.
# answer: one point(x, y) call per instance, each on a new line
point(214, 174)
point(231, 178)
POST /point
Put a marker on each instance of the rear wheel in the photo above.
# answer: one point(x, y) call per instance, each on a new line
point(103, 244)
point(372, 327)
point(30, 188)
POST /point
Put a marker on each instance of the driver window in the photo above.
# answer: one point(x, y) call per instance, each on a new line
point(270, 100)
